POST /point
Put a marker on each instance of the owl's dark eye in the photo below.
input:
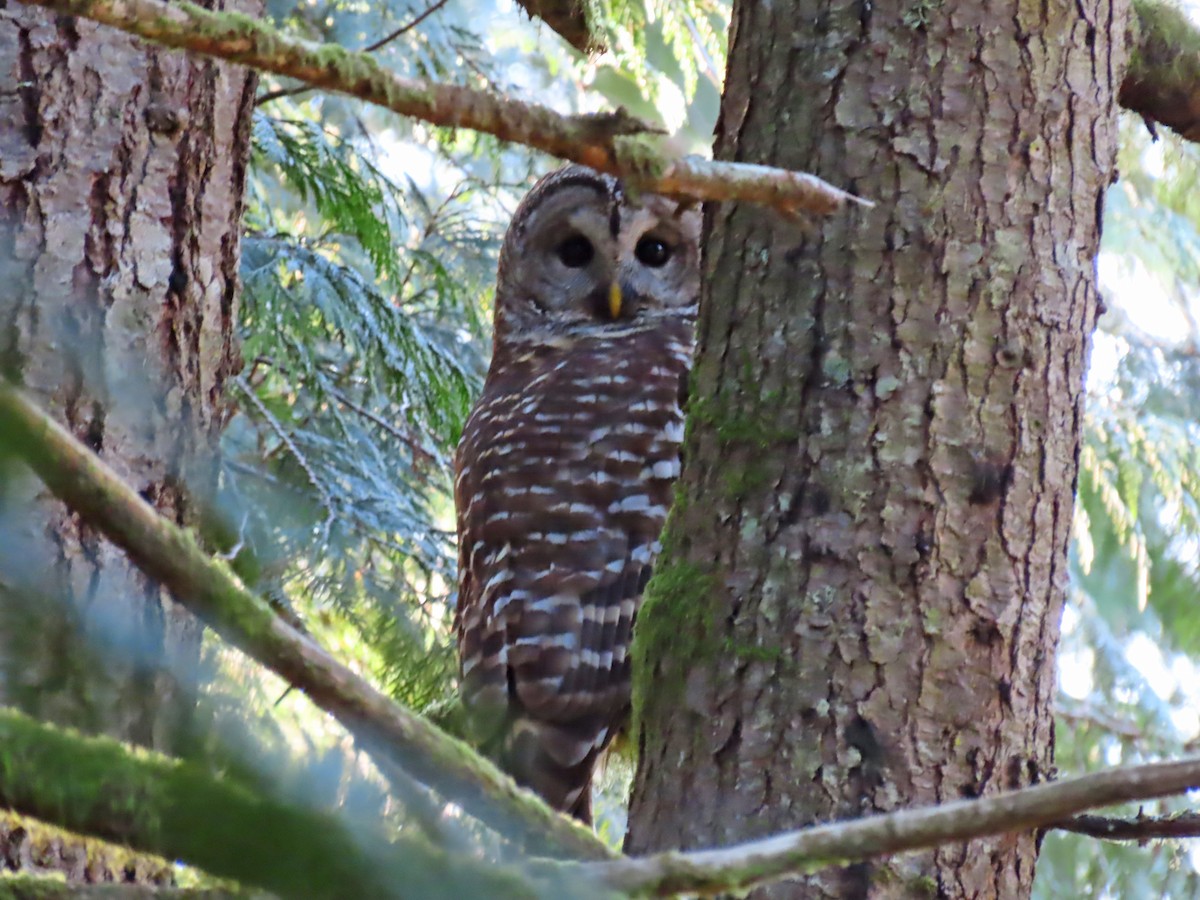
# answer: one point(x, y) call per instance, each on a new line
point(575, 252)
point(652, 252)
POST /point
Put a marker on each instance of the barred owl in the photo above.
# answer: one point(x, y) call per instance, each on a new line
point(563, 476)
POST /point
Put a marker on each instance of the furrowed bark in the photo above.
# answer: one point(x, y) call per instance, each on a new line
point(858, 601)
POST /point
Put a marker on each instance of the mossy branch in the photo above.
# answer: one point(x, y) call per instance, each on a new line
point(208, 588)
point(743, 866)
point(22, 886)
point(1162, 83)
point(594, 140)
point(44, 851)
point(176, 810)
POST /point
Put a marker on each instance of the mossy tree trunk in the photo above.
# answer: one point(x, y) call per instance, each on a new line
point(858, 604)
point(121, 174)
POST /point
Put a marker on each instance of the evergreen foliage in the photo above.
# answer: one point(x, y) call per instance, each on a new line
point(1131, 640)
point(368, 265)
point(395, 338)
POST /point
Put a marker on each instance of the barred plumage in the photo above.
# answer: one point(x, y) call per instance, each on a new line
point(564, 472)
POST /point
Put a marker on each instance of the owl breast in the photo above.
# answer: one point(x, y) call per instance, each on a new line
point(563, 481)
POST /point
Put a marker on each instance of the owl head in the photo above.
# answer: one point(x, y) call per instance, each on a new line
point(581, 257)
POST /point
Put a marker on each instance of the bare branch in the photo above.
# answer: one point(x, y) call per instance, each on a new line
point(208, 588)
point(757, 862)
point(405, 28)
point(616, 143)
point(1141, 829)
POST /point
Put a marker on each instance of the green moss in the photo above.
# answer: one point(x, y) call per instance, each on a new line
point(754, 652)
point(1165, 40)
point(219, 823)
point(923, 886)
point(758, 425)
point(640, 158)
point(22, 886)
point(676, 622)
point(745, 480)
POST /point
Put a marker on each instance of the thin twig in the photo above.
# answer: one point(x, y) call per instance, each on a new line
point(419, 452)
point(403, 29)
point(1087, 714)
point(280, 93)
point(425, 457)
point(1142, 828)
point(286, 440)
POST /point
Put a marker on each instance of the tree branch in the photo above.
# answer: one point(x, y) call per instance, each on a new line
point(616, 143)
point(176, 810)
point(757, 862)
point(406, 27)
point(22, 886)
point(210, 590)
point(569, 19)
point(1141, 829)
point(1162, 83)
point(31, 846)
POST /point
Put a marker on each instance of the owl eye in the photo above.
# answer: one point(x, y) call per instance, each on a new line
point(575, 252)
point(652, 252)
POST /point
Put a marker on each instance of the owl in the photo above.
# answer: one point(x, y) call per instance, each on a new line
point(564, 472)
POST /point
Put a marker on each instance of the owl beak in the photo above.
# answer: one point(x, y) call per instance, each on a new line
point(614, 300)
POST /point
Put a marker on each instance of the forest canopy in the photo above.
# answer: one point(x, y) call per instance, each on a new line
point(367, 264)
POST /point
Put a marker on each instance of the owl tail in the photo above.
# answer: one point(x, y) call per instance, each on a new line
point(556, 759)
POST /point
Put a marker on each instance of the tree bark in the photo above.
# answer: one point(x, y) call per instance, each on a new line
point(858, 602)
point(122, 167)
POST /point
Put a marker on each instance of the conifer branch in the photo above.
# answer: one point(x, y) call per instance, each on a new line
point(96, 786)
point(617, 143)
point(213, 593)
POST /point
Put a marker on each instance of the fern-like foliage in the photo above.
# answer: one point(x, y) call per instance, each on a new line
point(363, 339)
point(1131, 638)
point(666, 62)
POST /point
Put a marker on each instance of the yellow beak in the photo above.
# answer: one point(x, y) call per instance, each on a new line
point(614, 300)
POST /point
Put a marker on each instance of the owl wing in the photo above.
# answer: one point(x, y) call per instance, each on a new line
point(563, 480)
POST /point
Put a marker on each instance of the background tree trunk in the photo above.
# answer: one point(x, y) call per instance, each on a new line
point(121, 174)
point(858, 604)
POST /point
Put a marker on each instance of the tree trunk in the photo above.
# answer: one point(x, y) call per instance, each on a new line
point(858, 603)
point(121, 175)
